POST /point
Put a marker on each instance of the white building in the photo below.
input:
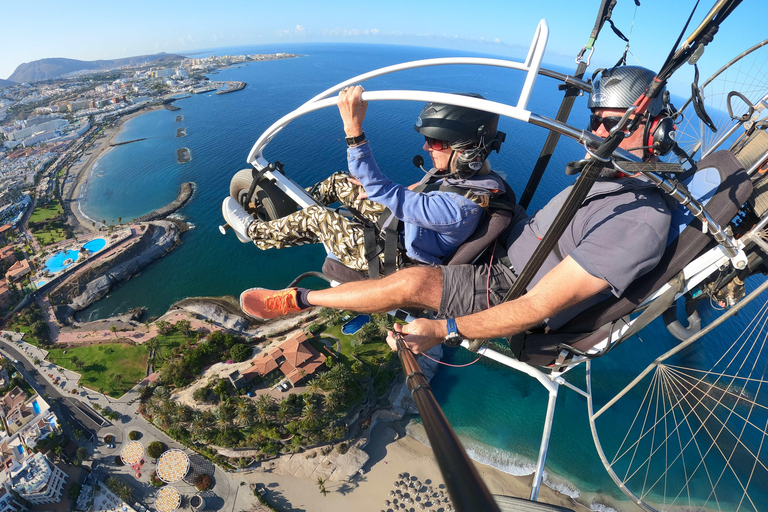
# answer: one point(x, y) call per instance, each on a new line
point(38, 480)
point(8, 503)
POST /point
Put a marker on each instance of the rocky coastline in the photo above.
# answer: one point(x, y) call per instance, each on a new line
point(84, 288)
point(185, 193)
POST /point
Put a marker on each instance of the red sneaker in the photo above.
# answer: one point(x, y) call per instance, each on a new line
point(267, 304)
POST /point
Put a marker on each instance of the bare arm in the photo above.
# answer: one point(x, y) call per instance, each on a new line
point(563, 286)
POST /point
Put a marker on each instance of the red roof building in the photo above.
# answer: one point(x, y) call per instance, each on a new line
point(7, 254)
point(295, 358)
point(5, 295)
point(17, 271)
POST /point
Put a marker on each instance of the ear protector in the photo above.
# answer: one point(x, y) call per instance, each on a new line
point(660, 135)
point(471, 159)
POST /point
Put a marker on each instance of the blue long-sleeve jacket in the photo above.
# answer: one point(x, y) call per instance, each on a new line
point(435, 223)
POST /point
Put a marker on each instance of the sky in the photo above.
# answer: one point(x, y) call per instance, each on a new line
point(89, 30)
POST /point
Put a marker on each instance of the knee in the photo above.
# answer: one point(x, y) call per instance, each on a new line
point(419, 285)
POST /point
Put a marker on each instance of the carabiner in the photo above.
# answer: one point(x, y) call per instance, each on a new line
point(582, 52)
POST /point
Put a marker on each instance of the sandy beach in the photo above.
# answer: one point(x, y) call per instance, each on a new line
point(388, 459)
point(81, 171)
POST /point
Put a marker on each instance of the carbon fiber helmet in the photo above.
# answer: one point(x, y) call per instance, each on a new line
point(457, 124)
point(619, 87)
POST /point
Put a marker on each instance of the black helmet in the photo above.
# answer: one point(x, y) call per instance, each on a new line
point(619, 87)
point(457, 124)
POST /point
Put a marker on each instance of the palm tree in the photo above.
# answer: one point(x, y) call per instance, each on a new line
point(184, 326)
point(226, 413)
point(265, 400)
point(283, 413)
point(313, 386)
point(330, 401)
point(245, 413)
point(119, 379)
point(321, 485)
point(309, 412)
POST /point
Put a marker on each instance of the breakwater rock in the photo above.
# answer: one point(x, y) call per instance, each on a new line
point(185, 192)
point(222, 311)
point(86, 287)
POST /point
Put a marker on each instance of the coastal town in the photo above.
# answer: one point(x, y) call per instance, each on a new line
point(200, 408)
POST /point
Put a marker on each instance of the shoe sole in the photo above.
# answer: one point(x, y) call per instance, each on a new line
point(224, 213)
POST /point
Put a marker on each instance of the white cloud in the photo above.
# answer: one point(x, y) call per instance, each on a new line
point(300, 29)
point(283, 33)
point(497, 41)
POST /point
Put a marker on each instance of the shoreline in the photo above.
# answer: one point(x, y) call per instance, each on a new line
point(389, 457)
point(79, 221)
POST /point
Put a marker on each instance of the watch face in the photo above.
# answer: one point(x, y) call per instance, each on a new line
point(453, 340)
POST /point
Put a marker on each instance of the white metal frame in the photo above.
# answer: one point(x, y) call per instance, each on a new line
point(694, 273)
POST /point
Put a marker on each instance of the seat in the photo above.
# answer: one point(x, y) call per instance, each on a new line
point(723, 185)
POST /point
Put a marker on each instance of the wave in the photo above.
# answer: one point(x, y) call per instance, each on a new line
point(517, 465)
point(80, 209)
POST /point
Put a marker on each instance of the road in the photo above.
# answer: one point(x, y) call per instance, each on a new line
point(60, 403)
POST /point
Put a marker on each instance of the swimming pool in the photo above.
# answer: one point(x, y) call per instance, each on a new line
point(40, 284)
point(36, 407)
point(95, 245)
point(64, 259)
point(355, 324)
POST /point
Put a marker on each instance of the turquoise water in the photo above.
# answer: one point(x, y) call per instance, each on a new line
point(355, 324)
point(36, 407)
point(95, 245)
point(498, 412)
point(57, 263)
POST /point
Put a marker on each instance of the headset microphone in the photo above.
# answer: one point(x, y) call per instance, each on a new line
point(418, 161)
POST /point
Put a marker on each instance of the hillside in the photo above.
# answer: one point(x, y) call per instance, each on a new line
point(6, 83)
point(45, 69)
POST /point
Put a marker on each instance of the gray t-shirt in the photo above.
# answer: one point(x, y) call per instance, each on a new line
point(618, 234)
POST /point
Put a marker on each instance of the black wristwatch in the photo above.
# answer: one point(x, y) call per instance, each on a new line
point(453, 339)
point(351, 141)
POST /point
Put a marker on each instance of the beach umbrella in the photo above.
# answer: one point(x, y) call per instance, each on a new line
point(386, 503)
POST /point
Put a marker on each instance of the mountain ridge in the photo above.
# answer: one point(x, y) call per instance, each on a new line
point(44, 69)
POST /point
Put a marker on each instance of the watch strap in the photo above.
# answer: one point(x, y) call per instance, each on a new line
point(351, 141)
point(450, 325)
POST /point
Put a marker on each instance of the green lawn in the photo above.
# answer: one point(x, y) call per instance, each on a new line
point(103, 362)
point(49, 237)
point(367, 353)
point(167, 344)
point(47, 212)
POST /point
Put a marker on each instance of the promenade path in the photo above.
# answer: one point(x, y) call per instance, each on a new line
point(139, 334)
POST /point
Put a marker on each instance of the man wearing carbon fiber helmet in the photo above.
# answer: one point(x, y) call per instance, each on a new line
point(617, 235)
point(436, 215)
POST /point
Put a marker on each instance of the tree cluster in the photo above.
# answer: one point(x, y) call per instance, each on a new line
point(217, 347)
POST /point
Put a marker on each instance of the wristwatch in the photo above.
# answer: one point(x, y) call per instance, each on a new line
point(351, 141)
point(453, 339)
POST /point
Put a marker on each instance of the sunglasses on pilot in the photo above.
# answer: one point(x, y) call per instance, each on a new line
point(436, 144)
point(609, 122)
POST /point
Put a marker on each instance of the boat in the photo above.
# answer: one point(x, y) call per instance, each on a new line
point(690, 426)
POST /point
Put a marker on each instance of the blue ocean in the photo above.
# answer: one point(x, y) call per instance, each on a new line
point(498, 412)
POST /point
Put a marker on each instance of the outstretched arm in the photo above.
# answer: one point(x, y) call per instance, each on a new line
point(565, 285)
